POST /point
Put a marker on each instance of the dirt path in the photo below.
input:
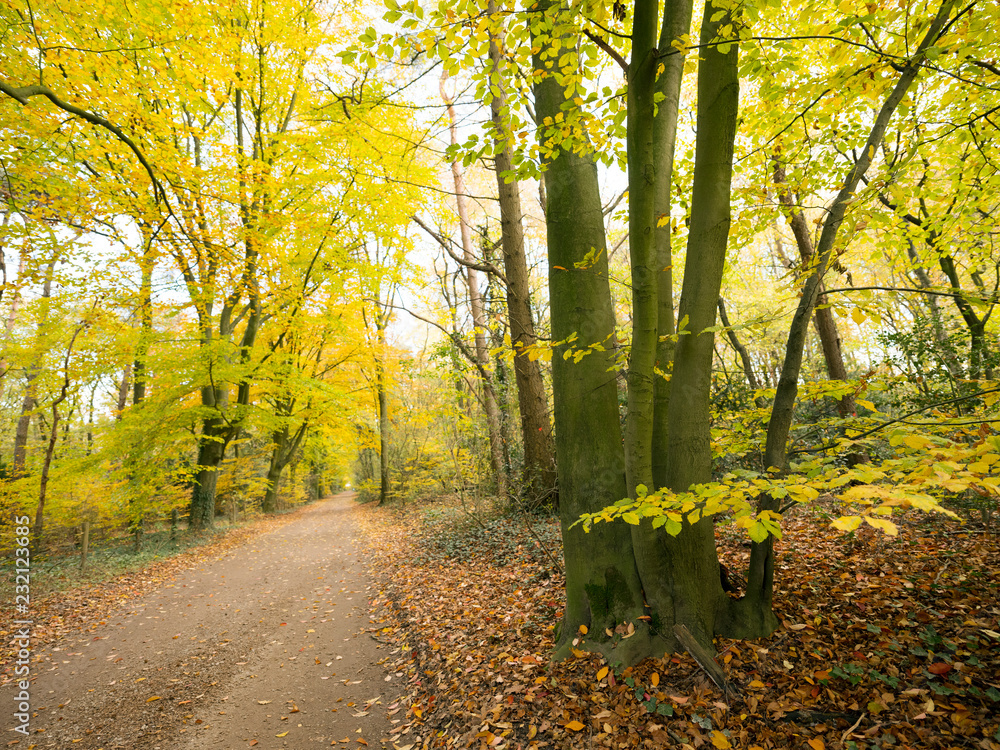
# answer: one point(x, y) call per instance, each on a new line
point(264, 647)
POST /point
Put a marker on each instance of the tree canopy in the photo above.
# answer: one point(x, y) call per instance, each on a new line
point(252, 253)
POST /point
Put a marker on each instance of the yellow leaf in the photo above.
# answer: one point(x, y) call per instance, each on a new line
point(583, 630)
point(916, 442)
point(602, 673)
point(883, 525)
point(817, 744)
point(858, 315)
point(283, 734)
point(154, 698)
point(532, 731)
point(720, 740)
point(574, 726)
point(662, 221)
point(847, 523)
point(654, 679)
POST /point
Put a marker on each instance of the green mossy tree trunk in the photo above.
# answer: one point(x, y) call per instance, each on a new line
point(676, 23)
point(602, 584)
point(286, 445)
point(642, 246)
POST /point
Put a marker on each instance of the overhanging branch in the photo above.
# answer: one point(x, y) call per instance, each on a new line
point(23, 93)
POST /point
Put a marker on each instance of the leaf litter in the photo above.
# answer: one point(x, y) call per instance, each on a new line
point(884, 642)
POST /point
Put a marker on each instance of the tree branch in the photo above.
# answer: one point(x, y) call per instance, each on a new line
point(615, 55)
point(444, 243)
point(24, 93)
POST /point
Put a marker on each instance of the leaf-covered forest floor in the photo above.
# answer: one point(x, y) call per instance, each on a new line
point(884, 643)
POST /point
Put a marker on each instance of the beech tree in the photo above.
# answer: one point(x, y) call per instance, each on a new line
point(677, 572)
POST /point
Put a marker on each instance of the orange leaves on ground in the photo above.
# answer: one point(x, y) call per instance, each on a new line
point(904, 624)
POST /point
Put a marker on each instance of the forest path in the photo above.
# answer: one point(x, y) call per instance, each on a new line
point(265, 647)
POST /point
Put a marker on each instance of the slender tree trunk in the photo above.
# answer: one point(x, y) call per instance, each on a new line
point(539, 462)
point(477, 308)
point(28, 404)
point(743, 354)
point(676, 23)
point(975, 325)
point(937, 324)
point(383, 420)
point(50, 449)
point(760, 579)
point(826, 323)
point(146, 325)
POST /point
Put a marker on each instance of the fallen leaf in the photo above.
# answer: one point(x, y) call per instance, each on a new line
point(574, 726)
point(720, 740)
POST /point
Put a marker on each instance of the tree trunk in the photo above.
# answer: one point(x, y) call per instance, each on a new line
point(691, 591)
point(743, 354)
point(18, 464)
point(940, 335)
point(760, 579)
point(146, 325)
point(539, 465)
point(642, 247)
point(602, 584)
point(50, 448)
point(383, 422)
point(478, 311)
point(826, 324)
point(284, 450)
point(676, 23)
point(211, 450)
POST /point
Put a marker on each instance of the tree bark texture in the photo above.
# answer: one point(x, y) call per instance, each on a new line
point(676, 23)
point(490, 406)
point(602, 584)
point(761, 574)
point(642, 247)
point(539, 476)
point(825, 322)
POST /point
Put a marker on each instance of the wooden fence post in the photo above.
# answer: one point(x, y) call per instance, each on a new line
point(85, 546)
